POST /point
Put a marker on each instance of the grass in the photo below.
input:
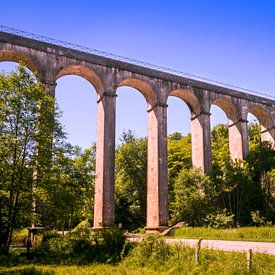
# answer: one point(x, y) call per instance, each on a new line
point(154, 256)
point(258, 234)
point(63, 255)
point(212, 262)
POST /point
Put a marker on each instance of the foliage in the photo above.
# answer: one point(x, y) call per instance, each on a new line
point(220, 220)
point(234, 189)
point(149, 251)
point(151, 256)
point(43, 180)
point(155, 255)
point(104, 246)
point(83, 229)
point(20, 236)
point(220, 144)
point(267, 182)
point(258, 219)
point(131, 171)
point(67, 193)
point(190, 198)
point(25, 108)
point(179, 157)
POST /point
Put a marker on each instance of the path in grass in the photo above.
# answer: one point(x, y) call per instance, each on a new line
point(258, 247)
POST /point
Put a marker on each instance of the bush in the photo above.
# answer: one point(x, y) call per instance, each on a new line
point(103, 246)
point(259, 220)
point(149, 251)
point(190, 203)
point(20, 236)
point(83, 229)
point(220, 220)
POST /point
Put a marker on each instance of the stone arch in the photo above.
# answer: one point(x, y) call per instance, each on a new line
point(189, 98)
point(265, 119)
point(237, 129)
point(229, 108)
point(262, 115)
point(143, 87)
point(84, 72)
point(200, 129)
point(15, 56)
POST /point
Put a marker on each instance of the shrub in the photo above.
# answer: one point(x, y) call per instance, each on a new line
point(190, 199)
point(149, 251)
point(20, 236)
point(220, 220)
point(103, 246)
point(259, 220)
point(83, 229)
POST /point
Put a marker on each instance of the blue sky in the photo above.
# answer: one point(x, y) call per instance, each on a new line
point(230, 41)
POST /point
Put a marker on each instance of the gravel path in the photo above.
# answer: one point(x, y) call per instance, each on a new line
point(258, 247)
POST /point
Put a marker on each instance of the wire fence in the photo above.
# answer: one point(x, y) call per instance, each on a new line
point(129, 60)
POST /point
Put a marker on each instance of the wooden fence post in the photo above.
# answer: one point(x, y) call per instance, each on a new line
point(197, 251)
point(249, 259)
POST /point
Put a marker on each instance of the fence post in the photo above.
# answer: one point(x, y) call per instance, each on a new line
point(197, 251)
point(249, 259)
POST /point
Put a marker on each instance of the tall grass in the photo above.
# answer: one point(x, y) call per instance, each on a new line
point(157, 256)
point(260, 234)
point(154, 256)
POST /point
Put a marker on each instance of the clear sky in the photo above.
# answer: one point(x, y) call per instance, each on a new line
point(232, 41)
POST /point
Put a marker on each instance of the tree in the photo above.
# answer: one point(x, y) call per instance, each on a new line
point(190, 197)
point(65, 197)
point(179, 157)
point(25, 106)
point(220, 144)
point(131, 175)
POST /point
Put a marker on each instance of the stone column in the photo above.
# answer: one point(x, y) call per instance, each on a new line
point(105, 162)
point(49, 87)
point(238, 139)
point(157, 169)
point(201, 142)
point(268, 135)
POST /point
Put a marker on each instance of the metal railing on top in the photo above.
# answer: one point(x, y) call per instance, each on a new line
point(129, 60)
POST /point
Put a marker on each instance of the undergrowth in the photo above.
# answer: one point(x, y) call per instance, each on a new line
point(72, 255)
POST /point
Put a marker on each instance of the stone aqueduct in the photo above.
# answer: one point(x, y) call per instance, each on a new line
point(51, 62)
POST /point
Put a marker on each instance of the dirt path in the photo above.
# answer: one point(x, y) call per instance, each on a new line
point(258, 247)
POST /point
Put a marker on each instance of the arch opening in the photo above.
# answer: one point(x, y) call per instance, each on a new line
point(179, 131)
point(232, 135)
point(143, 87)
point(189, 98)
point(11, 66)
point(14, 56)
point(220, 144)
point(85, 73)
point(131, 157)
point(77, 102)
point(257, 115)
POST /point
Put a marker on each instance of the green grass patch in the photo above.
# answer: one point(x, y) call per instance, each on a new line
point(153, 256)
point(258, 234)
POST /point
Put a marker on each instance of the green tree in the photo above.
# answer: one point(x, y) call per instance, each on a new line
point(24, 107)
point(179, 157)
point(233, 189)
point(190, 197)
point(131, 175)
point(220, 144)
point(66, 196)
